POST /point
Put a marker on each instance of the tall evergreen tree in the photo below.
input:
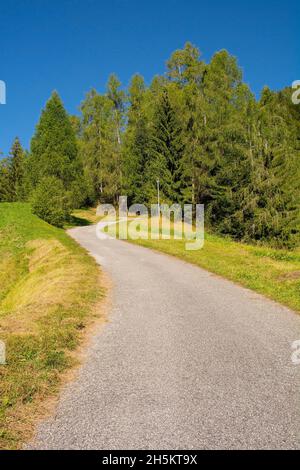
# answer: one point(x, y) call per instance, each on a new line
point(5, 187)
point(12, 174)
point(166, 151)
point(136, 141)
point(17, 168)
point(53, 146)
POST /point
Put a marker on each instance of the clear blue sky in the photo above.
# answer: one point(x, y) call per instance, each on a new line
point(73, 45)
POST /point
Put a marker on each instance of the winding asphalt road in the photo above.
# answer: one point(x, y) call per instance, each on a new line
point(187, 361)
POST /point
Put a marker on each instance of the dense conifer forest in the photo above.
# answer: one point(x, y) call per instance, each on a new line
point(198, 128)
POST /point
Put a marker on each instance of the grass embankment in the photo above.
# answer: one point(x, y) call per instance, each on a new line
point(274, 273)
point(49, 289)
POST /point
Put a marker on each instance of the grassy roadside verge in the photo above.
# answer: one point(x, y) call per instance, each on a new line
point(273, 273)
point(49, 290)
point(83, 217)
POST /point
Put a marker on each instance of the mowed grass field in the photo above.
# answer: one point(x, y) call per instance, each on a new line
point(271, 272)
point(49, 292)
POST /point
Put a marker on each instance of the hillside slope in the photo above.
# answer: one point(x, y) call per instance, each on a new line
point(49, 288)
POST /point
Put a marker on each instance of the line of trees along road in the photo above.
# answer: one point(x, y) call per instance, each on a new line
point(198, 128)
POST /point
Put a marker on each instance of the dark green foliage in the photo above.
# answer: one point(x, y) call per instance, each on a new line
point(54, 171)
point(136, 142)
point(5, 188)
point(209, 141)
point(78, 192)
point(50, 201)
point(54, 147)
point(198, 129)
point(12, 171)
point(17, 171)
point(166, 148)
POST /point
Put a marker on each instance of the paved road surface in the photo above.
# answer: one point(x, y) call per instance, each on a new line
point(187, 361)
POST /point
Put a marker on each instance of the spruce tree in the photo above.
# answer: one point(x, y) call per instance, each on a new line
point(6, 194)
point(12, 171)
point(136, 141)
point(166, 151)
point(54, 161)
point(53, 146)
point(16, 173)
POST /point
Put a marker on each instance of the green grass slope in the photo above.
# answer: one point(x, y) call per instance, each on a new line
point(274, 273)
point(49, 288)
